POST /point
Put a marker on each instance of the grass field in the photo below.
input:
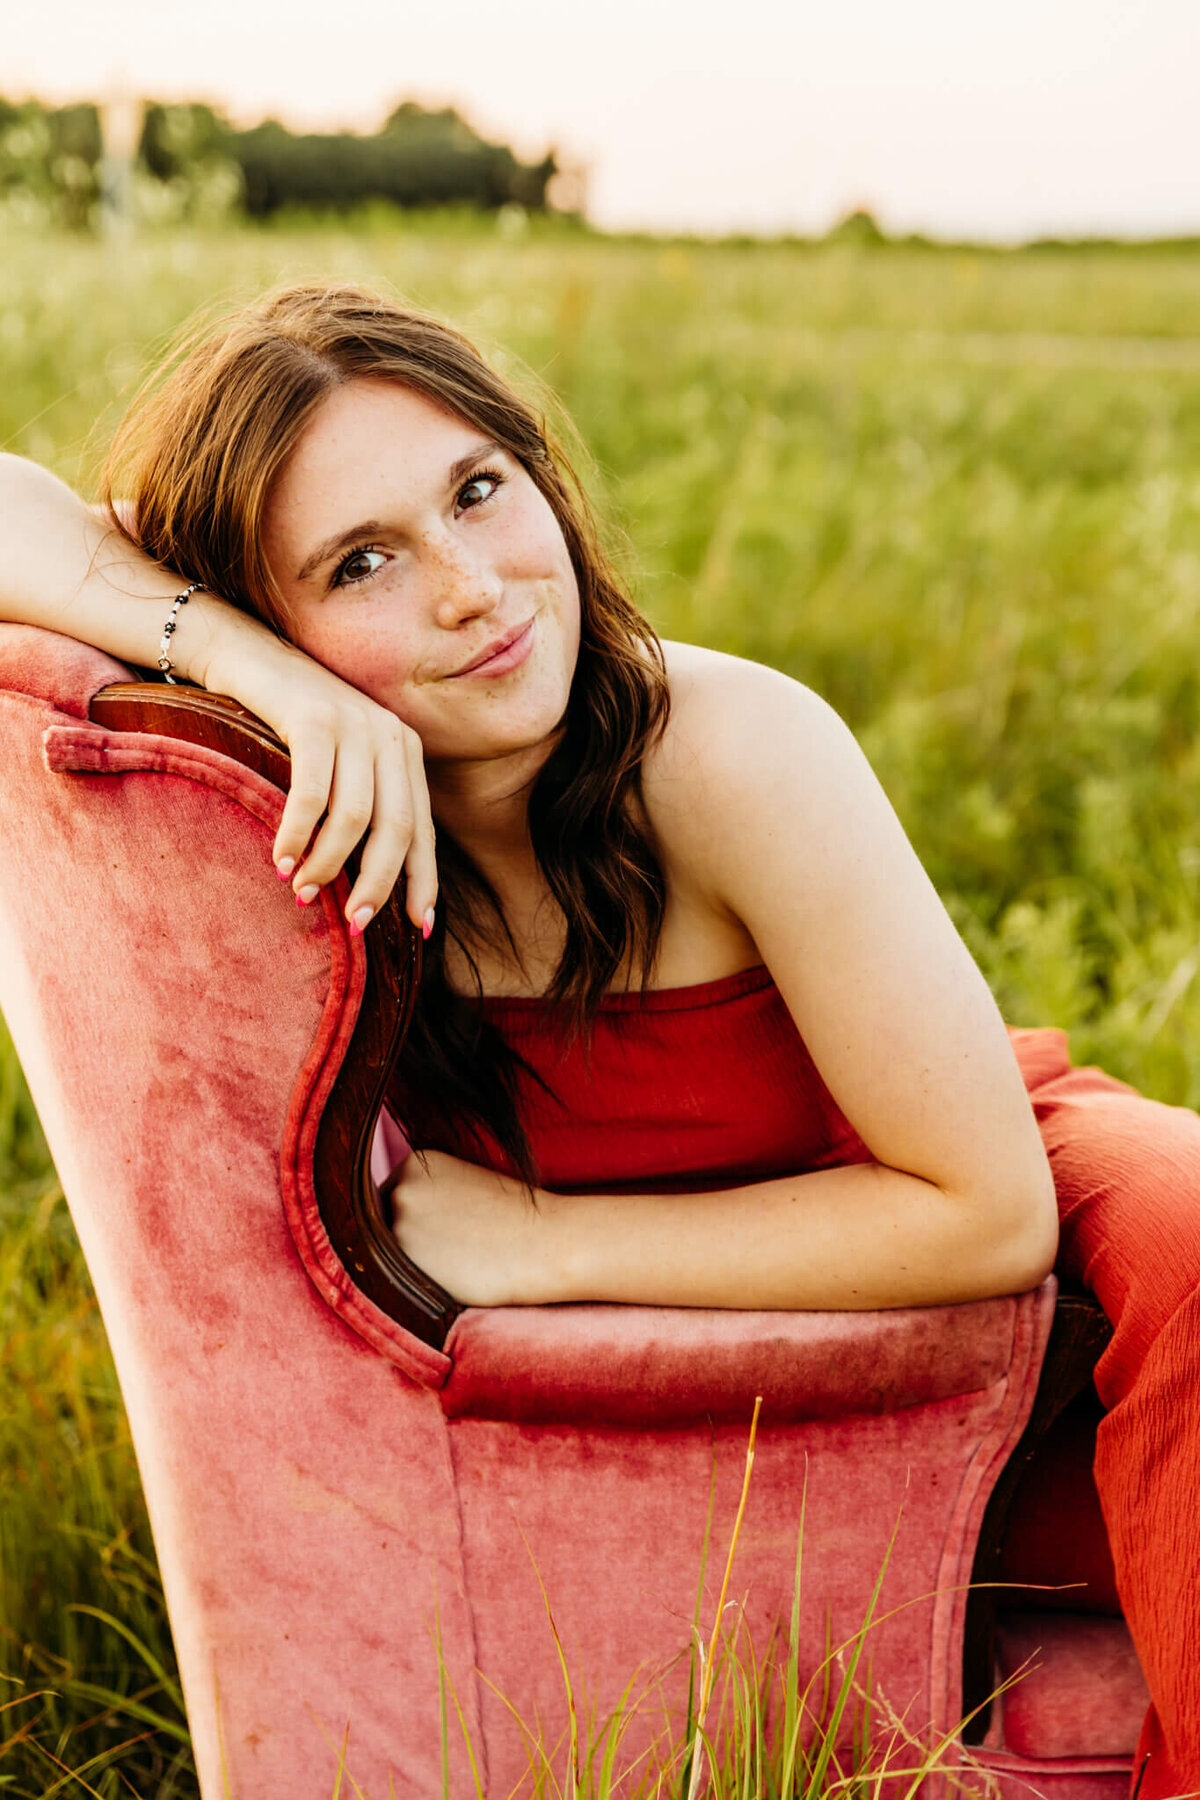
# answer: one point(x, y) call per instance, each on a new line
point(957, 492)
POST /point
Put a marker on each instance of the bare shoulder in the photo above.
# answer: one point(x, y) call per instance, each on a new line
point(745, 747)
point(726, 701)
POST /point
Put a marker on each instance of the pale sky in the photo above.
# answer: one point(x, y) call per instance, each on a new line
point(952, 116)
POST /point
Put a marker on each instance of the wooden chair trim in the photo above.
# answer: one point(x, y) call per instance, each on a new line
point(346, 1197)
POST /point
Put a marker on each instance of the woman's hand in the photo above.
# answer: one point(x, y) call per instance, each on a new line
point(477, 1233)
point(353, 761)
point(64, 567)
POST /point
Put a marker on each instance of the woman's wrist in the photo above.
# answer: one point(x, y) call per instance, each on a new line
point(226, 650)
point(539, 1253)
point(568, 1248)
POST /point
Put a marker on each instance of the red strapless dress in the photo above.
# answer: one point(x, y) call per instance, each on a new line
point(683, 1089)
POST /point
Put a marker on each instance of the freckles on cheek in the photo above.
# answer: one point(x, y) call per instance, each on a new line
point(370, 661)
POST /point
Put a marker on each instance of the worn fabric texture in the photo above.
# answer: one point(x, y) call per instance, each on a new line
point(612, 1521)
point(691, 1366)
point(321, 1487)
point(1077, 1687)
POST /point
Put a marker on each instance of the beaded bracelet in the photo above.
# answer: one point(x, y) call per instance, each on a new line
point(164, 661)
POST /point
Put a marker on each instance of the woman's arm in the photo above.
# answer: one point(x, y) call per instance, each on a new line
point(64, 567)
point(851, 1239)
point(765, 805)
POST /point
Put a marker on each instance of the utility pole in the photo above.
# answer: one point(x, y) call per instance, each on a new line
point(121, 127)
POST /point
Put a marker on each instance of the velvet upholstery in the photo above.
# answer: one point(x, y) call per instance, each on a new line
point(562, 1365)
point(1066, 1724)
point(320, 1484)
point(1084, 1694)
point(613, 1519)
point(168, 999)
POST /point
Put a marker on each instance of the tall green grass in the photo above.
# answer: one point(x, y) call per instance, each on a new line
point(79, 1587)
point(957, 492)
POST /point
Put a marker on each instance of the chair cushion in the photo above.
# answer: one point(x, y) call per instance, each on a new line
point(1084, 1693)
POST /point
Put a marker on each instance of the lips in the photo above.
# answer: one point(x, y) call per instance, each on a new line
point(501, 654)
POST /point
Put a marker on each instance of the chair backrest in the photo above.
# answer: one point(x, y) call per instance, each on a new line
point(181, 1023)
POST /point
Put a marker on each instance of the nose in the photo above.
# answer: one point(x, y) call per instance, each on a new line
point(463, 585)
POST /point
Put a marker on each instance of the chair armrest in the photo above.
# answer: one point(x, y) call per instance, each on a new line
point(664, 1368)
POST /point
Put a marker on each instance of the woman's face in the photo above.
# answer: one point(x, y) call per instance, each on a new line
point(420, 563)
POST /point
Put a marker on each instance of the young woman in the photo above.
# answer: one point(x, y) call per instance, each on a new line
point(685, 977)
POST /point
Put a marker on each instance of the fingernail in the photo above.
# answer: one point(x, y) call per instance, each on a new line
point(284, 867)
point(427, 923)
point(360, 920)
point(307, 895)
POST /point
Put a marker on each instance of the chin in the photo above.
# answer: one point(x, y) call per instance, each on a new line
point(520, 741)
point(519, 732)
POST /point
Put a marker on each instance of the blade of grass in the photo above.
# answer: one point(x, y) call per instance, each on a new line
point(695, 1638)
point(68, 1773)
point(572, 1711)
point(445, 1684)
point(341, 1764)
point(169, 1685)
point(104, 1757)
point(115, 1702)
point(791, 1691)
point(706, 1678)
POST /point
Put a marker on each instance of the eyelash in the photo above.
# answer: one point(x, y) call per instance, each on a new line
point(340, 578)
point(482, 475)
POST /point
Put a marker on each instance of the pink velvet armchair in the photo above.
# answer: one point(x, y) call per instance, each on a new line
point(335, 1454)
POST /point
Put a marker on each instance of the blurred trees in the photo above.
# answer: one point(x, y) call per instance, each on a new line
point(50, 159)
point(419, 158)
point(191, 161)
point(184, 169)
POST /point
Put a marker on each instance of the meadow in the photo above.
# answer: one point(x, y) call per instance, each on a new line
point(956, 491)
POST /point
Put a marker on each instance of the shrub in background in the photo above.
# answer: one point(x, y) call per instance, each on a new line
point(419, 158)
point(50, 160)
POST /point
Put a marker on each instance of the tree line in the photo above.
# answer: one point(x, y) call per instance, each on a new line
point(190, 159)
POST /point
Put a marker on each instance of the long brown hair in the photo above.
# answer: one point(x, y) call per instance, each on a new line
point(195, 461)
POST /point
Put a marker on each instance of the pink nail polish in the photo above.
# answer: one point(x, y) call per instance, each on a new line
point(307, 895)
point(285, 866)
point(361, 919)
point(427, 924)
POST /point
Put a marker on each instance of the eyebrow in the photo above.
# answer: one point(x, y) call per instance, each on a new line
point(368, 528)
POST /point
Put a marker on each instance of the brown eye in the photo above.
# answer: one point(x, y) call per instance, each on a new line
point(477, 490)
point(360, 566)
